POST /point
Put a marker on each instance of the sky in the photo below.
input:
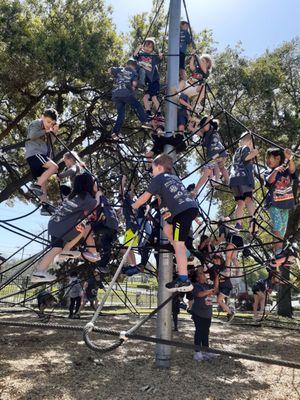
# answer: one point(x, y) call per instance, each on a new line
point(258, 24)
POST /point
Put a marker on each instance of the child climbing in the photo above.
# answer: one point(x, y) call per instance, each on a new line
point(125, 83)
point(185, 41)
point(38, 149)
point(65, 227)
point(75, 293)
point(148, 61)
point(179, 212)
point(73, 167)
point(260, 290)
point(241, 179)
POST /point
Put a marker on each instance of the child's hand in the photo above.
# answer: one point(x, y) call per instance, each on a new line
point(281, 168)
point(55, 128)
point(255, 151)
point(160, 55)
point(288, 154)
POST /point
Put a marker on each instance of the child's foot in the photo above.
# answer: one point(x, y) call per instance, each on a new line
point(209, 356)
point(36, 189)
point(47, 210)
point(92, 257)
point(178, 285)
point(42, 277)
point(198, 356)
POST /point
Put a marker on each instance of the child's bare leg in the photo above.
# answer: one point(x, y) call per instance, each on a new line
point(156, 103)
point(250, 205)
point(229, 254)
point(255, 304)
point(262, 302)
point(225, 174)
point(43, 197)
point(207, 173)
point(239, 211)
point(51, 169)
point(181, 259)
point(48, 259)
point(68, 246)
point(182, 74)
point(168, 231)
point(222, 304)
point(89, 239)
point(147, 102)
point(131, 258)
point(217, 173)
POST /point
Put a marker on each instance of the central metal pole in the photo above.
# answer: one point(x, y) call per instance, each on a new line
point(165, 269)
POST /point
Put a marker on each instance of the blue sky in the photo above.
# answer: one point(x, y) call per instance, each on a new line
point(258, 24)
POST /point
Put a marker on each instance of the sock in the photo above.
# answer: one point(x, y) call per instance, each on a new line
point(182, 278)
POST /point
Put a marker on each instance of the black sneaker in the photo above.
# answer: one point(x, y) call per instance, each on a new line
point(47, 210)
point(36, 189)
point(179, 286)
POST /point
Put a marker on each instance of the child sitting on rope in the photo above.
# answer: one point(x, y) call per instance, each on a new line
point(241, 179)
point(180, 211)
point(38, 149)
point(280, 198)
point(125, 83)
point(260, 290)
point(215, 150)
point(65, 226)
point(148, 61)
point(74, 167)
point(185, 41)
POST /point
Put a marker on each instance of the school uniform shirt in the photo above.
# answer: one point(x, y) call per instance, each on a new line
point(262, 285)
point(38, 140)
point(185, 40)
point(202, 306)
point(111, 219)
point(172, 192)
point(281, 193)
point(149, 62)
point(212, 142)
point(69, 214)
point(241, 172)
point(123, 78)
point(75, 288)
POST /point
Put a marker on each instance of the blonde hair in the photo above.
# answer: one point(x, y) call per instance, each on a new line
point(207, 58)
point(245, 137)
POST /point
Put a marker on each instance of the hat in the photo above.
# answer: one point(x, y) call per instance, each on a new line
point(183, 21)
point(150, 39)
point(131, 60)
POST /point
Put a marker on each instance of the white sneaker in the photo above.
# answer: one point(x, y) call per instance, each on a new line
point(210, 356)
point(92, 257)
point(42, 277)
point(198, 356)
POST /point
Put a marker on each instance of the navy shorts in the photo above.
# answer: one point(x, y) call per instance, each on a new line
point(62, 241)
point(236, 240)
point(181, 60)
point(225, 288)
point(36, 163)
point(182, 117)
point(182, 224)
point(242, 192)
point(153, 88)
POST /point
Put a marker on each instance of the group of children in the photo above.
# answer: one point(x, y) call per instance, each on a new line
point(86, 217)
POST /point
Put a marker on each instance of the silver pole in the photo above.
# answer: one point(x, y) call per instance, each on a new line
point(165, 270)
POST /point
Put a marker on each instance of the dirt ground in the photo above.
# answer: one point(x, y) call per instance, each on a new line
point(49, 364)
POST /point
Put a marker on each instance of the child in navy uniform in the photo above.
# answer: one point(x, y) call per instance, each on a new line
point(180, 211)
point(38, 152)
point(185, 41)
point(90, 290)
point(202, 313)
point(280, 198)
point(65, 226)
point(123, 93)
point(148, 61)
point(241, 179)
point(214, 150)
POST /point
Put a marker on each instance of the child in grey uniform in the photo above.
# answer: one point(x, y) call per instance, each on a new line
point(38, 153)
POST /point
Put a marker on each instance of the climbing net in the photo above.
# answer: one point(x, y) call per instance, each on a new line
point(255, 253)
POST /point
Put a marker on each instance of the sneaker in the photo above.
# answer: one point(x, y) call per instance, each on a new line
point(209, 356)
point(92, 257)
point(76, 316)
point(238, 226)
point(42, 277)
point(36, 189)
point(198, 356)
point(179, 286)
point(47, 210)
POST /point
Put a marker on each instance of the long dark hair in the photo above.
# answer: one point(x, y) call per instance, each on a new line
point(83, 184)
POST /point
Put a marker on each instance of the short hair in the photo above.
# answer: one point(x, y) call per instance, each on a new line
point(71, 155)
point(51, 113)
point(245, 137)
point(165, 161)
point(275, 152)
